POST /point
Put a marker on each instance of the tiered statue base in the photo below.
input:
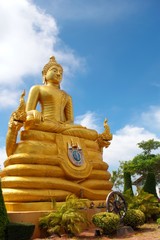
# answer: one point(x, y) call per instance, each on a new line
point(42, 171)
point(46, 206)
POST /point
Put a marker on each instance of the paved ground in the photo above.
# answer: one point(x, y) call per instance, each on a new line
point(145, 232)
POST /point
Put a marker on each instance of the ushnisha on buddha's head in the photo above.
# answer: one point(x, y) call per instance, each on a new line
point(52, 72)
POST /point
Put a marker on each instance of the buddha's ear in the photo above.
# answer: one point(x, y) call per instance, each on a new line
point(44, 79)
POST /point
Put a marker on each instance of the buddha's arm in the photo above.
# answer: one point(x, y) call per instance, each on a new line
point(32, 102)
point(32, 98)
point(69, 111)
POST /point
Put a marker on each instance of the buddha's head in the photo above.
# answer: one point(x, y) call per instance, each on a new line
point(52, 72)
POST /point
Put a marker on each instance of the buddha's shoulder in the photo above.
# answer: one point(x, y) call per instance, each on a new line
point(37, 88)
point(65, 93)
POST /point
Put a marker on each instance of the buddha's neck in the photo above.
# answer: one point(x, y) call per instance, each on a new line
point(53, 85)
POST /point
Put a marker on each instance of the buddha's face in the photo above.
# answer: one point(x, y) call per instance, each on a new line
point(54, 75)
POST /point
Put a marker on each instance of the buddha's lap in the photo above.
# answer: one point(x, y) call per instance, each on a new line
point(33, 189)
point(72, 130)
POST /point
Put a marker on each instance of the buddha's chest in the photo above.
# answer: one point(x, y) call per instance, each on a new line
point(52, 96)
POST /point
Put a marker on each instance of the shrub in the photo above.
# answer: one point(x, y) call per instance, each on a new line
point(3, 216)
point(158, 221)
point(134, 218)
point(108, 222)
point(150, 184)
point(67, 219)
point(127, 183)
point(21, 231)
point(145, 202)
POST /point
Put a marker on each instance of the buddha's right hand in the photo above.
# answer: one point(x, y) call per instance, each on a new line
point(35, 116)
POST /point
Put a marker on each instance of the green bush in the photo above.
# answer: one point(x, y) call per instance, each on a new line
point(134, 218)
point(108, 222)
point(67, 219)
point(19, 231)
point(145, 202)
point(150, 184)
point(127, 183)
point(3, 216)
point(158, 221)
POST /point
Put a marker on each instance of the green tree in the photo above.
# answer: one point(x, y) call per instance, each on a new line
point(146, 161)
point(148, 146)
point(117, 179)
point(142, 163)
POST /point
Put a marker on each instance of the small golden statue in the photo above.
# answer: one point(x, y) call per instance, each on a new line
point(54, 157)
point(105, 137)
point(16, 121)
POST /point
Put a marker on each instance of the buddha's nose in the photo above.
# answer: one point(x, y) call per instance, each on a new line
point(58, 74)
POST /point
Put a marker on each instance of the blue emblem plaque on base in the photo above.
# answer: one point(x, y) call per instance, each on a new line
point(75, 154)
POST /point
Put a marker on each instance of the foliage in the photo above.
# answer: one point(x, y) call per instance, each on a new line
point(117, 179)
point(66, 219)
point(21, 231)
point(127, 183)
point(141, 164)
point(108, 222)
point(3, 216)
point(134, 218)
point(145, 202)
point(148, 146)
point(158, 221)
point(146, 161)
point(150, 184)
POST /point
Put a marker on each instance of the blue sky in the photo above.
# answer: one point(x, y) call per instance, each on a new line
point(110, 52)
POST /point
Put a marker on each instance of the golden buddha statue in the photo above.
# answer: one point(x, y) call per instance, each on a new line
point(56, 105)
point(54, 157)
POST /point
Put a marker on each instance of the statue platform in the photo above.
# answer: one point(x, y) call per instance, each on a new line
point(49, 166)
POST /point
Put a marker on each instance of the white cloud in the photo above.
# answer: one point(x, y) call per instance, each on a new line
point(28, 38)
point(124, 145)
point(89, 120)
point(8, 98)
point(151, 118)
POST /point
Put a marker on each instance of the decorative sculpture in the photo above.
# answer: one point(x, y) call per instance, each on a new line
point(54, 157)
